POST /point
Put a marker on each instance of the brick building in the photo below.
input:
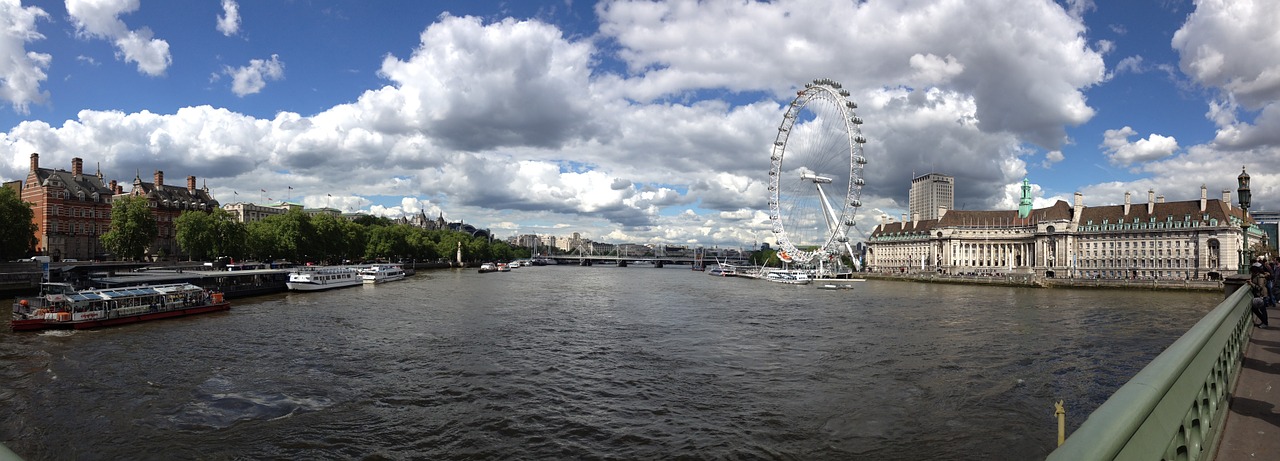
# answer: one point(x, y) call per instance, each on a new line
point(71, 210)
point(167, 203)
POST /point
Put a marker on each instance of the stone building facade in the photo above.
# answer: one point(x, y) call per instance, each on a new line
point(1193, 239)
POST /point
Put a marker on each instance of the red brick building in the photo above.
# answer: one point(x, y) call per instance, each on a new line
point(72, 210)
point(167, 203)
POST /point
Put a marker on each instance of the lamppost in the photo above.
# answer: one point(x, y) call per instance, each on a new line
point(1246, 254)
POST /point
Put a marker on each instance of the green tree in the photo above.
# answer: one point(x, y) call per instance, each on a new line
point(17, 232)
point(196, 233)
point(133, 228)
point(207, 235)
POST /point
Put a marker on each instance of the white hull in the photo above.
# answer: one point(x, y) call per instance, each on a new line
point(380, 274)
point(323, 278)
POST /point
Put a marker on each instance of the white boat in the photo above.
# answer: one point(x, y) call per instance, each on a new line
point(488, 267)
point(382, 273)
point(317, 278)
point(788, 277)
point(723, 270)
point(503, 267)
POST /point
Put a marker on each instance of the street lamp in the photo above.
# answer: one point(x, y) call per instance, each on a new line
point(1246, 254)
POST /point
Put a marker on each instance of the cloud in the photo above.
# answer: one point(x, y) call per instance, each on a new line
point(253, 78)
point(229, 21)
point(475, 87)
point(21, 72)
point(1231, 47)
point(1024, 63)
point(1051, 158)
point(1122, 152)
point(100, 19)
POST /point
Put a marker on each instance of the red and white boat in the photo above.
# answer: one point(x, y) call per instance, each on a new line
point(60, 306)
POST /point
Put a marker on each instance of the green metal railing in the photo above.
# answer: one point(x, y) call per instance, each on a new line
point(1174, 408)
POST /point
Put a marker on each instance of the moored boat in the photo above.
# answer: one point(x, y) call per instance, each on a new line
point(317, 278)
point(488, 267)
point(503, 267)
point(60, 306)
point(382, 273)
point(723, 270)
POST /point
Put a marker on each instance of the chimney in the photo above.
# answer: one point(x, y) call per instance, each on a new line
point(1126, 203)
point(1151, 201)
point(915, 217)
point(113, 187)
point(1159, 199)
point(1204, 197)
point(904, 220)
point(159, 179)
point(77, 167)
point(1079, 205)
point(191, 184)
point(942, 211)
point(35, 162)
point(1226, 198)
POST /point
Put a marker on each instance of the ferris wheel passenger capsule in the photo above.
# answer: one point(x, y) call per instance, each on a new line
point(859, 182)
point(860, 160)
point(855, 203)
point(859, 139)
point(851, 104)
point(856, 120)
point(844, 93)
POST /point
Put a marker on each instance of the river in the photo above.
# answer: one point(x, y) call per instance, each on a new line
point(567, 362)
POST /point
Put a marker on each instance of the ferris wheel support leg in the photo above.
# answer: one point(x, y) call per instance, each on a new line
point(827, 211)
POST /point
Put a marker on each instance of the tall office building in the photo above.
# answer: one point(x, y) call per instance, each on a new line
point(930, 191)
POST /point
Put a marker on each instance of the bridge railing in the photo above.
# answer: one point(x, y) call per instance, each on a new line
point(1173, 409)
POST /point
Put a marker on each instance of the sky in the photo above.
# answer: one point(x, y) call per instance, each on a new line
point(640, 121)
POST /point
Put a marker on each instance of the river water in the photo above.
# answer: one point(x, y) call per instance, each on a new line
point(567, 362)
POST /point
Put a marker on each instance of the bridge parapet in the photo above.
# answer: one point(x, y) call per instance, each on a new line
point(1175, 407)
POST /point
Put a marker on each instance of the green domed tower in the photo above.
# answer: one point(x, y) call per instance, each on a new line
point(1024, 204)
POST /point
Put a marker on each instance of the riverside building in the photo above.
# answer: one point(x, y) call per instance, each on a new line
point(72, 210)
point(930, 193)
point(1195, 239)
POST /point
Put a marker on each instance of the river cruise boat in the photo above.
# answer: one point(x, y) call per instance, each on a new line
point(488, 267)
point(318, 278)
point(382, 273)
point(60, 306)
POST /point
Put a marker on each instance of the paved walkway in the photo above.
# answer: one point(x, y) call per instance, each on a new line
point(1252, 431)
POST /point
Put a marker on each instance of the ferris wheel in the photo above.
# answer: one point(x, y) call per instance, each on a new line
point(815, 181)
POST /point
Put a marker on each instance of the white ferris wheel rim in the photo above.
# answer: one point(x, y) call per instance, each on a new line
point(839, 210)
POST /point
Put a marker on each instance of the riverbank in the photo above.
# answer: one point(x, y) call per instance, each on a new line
point(1031, 280)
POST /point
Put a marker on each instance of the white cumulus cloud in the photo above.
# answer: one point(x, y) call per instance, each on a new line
point(100, 19)
point(1122, 152)
point(21, 71)
point(250, 79)
point(229, 21)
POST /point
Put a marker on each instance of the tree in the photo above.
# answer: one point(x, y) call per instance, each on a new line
point(17, 232)
point(133, 228)
point(207, 235)
point(196, 234)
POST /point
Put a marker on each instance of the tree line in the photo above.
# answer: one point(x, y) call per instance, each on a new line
point(294, 236)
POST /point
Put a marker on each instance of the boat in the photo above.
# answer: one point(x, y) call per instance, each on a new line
point(60, 306)
point(317, 278)
point(379, 273)
point(791, 277)
point(835, 286)
point(723, 270)
point(503, 267)
point(488, 267)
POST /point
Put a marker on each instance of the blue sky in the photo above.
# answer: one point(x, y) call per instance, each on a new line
point(640, 121)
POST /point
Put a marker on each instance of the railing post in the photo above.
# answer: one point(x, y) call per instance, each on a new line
point(1062, 421)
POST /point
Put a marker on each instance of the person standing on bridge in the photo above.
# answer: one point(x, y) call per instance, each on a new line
point(1258, 286)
